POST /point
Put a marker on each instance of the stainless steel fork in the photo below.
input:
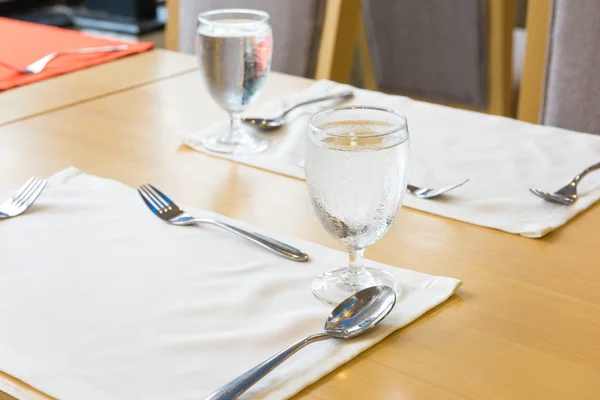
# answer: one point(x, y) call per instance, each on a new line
point(164, 208)
point(23, 198)
point(425, 193)
point(568, 194)
point(38, 66)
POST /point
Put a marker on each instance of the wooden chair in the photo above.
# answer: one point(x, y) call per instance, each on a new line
point(560, 84)
point(312, 38)
point(455, 52)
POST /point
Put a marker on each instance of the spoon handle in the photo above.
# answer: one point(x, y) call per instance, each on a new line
point(342, 95)
point(239, 385)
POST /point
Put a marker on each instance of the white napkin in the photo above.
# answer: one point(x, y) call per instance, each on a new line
point(99, 299)
point(502, 157)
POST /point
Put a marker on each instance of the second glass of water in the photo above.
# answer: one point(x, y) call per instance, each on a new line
point(234, 49)
point(356, 172)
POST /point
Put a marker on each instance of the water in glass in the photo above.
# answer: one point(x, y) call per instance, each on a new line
point(234, 52)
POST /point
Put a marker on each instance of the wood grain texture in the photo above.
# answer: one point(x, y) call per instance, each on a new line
point(502, 15)
point(172, 26)
point(338, 40)
point(525, 325)
point(539, 15)
point(101, 80)
point(6, 396)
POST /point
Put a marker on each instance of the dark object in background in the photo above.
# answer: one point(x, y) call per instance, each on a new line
point(141, 9)
point(13, 6)
point(39, 11)
point(45, 16)
point(133, 17)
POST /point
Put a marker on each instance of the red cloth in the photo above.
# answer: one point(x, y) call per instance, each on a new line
point(22, 43)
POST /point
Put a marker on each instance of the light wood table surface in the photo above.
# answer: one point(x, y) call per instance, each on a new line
point(89, 83)
point(525, 325)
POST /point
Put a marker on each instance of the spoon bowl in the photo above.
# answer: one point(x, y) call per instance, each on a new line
point(360, 312)
point(264, 124)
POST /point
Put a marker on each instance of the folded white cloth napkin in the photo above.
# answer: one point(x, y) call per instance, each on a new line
point(502, 157)
point(99, 299)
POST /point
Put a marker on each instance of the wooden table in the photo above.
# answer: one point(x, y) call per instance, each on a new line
point(90, 83)
point(525, 325)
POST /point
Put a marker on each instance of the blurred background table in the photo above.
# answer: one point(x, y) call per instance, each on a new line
point(66, 90)
point(525, 325)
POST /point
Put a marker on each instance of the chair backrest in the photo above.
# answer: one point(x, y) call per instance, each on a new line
point(297, 27)
point(455, 51)
point(561, 82)
point(429, 48)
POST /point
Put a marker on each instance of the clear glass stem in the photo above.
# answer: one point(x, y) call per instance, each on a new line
point(356, 269)
point(234, 136)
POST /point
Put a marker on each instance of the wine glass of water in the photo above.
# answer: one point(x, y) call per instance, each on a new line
point(356, 172)
point(234, 49)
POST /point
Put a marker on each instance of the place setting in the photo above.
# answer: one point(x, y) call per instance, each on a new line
point(45, 51)
point(151, 294)
point(477, 168)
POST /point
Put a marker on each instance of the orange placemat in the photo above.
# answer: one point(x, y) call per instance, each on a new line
point(22, 43)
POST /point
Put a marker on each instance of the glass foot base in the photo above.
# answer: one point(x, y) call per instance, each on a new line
point(335, 286)
point(243, 143)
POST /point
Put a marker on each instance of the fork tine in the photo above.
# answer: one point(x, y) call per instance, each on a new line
point(35, 194)
point(546, 196)
point(537, 193)
point(157, 200)
point(157, 204)
point(541, 194)
point(148, 203)
point(22, 198)
point(161, 194)
point(549, 197)
point(558, 199)
point(23, 189)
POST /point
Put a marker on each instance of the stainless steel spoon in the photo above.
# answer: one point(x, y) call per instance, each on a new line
point(269, 124)
point(352, 317)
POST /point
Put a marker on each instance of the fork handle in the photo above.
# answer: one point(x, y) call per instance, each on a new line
point(101, 49)
point(585, 172)
point(277, 247)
